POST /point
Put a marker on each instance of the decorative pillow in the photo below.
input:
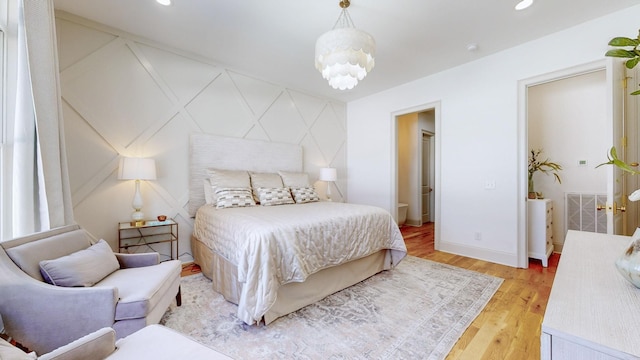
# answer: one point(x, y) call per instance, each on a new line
point(233, 197)
point(228, 179)
point(304, 194)
point(208, 192)
point(10, 352)
point(82, 268)
point(294, 179)
point(266, 180)
point(274, 196)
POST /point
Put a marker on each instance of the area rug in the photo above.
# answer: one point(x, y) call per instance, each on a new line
point(416, 311)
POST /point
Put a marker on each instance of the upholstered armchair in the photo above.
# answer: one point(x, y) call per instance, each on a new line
point(151, 342)
point(95, 288)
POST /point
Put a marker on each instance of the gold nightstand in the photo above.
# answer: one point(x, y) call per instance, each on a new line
point(150, 232)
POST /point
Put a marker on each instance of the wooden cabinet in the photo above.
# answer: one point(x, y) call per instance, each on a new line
point(540, 229)
point(593, 312)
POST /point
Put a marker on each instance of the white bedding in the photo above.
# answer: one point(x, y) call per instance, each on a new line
point(275, 245)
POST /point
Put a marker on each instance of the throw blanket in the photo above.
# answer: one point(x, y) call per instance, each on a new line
point(276, 245)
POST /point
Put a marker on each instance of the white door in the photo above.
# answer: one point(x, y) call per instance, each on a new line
point(632, 155)
point(426, 177)
point(616, 202)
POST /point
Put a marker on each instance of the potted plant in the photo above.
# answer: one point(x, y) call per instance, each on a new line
point(544, 166)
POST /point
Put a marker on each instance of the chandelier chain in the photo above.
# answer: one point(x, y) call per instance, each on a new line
point(344, 20)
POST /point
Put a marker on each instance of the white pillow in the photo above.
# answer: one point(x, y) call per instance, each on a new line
point(303, 195)
point(82, 268)
point(208, 192)
point(274, 196)
point(233, 197)
point(294, 179)
point(228, 179)
point(266, 180)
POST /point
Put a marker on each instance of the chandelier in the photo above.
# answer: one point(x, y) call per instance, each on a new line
point(344, 55)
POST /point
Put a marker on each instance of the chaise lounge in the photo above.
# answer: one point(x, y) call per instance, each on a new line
point(95, 288)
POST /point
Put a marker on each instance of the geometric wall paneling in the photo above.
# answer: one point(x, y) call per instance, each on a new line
point(170, 147)
point(256, 133)
point(282, 121)
point(125, 97)
point(308, 106)
point(219, 109)
point(258, 94)
point(185, 77)
point(116, 95)
point(77, 41)
point(340, 112)
point(329, 133)
point(88, 155)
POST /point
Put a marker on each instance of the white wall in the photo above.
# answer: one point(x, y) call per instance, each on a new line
point(478, 135)
point(566, 119)
point(123, 96)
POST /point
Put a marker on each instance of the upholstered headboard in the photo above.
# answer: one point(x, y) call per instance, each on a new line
point(218, 152)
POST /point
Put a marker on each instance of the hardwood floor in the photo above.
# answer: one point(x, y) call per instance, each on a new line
point(509, 326)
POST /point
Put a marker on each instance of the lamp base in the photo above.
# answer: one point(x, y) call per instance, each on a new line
point(137, 218)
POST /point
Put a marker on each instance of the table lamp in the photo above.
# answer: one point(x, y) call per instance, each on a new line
point(137, 169)
point(328, 175)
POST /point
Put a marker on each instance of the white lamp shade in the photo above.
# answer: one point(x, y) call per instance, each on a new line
point(328, 174)
point(137, 169)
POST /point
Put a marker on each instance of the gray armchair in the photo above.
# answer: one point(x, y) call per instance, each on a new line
point(152, 342)
point(44, 317)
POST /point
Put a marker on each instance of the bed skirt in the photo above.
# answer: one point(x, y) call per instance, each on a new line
point(292, 296)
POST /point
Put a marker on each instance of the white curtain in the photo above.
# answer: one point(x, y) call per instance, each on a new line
point(40, 182)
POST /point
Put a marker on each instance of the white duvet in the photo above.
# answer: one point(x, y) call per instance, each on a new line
point(275, 245)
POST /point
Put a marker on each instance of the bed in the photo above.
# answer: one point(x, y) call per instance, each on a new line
point(273, 260)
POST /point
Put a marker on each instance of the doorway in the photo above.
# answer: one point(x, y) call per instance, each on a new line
point(415, 158)
point(608, 137)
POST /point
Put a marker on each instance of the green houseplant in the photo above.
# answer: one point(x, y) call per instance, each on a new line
point(626, 48)
point(544, 166)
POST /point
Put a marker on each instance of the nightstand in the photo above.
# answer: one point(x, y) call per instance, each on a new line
point(151, 232)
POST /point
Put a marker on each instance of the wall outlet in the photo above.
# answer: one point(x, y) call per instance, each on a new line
point(489, 184)
point(477, 236)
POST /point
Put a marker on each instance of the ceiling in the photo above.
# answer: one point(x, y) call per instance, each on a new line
point(274, 40)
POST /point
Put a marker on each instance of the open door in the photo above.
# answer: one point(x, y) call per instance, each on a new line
point(616, 198)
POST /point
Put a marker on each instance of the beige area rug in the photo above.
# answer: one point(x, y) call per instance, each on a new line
point(416, 311)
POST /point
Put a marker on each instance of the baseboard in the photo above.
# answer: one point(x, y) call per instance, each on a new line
point(498, 257)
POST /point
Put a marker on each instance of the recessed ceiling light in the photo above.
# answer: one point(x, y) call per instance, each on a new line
point(524, 4)
point(164, 2)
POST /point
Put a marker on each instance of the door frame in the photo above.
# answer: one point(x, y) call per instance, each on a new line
point(435, 107)
point(431, 137)
point(523, 139)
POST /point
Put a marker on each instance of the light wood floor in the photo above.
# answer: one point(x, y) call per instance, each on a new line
point(509, 326)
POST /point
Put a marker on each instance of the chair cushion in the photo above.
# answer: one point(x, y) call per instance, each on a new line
point(28, 256)
point(10, 352)
point(160, 342)
point(81, 268)
point(141, 289)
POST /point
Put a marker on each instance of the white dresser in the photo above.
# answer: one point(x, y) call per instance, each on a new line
point(540, 229)
point(593, 312)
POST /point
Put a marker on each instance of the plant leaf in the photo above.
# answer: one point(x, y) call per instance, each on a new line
point(637, 92)
point(623, 41)
point(632, 63)
point(621, 53)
